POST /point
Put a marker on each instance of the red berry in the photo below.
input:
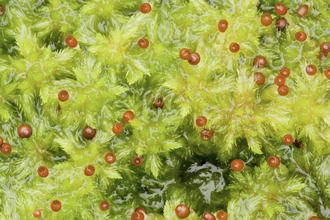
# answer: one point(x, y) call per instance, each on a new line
point(137, 215)
point(281, 24)
point(1, 141)
point(137, 161)
point(234, 47)
point(104, 205)
point(159, 103)
point(327, 72)
point(222, 215)
point(6, 148)
point(128, 116)
point(273, 161)
point(145, 8)
point(237, 165)
point(206, 134)
point(88, 132)
point(283, 90)
point(285, 72)
point(325, 47)
point(314, 218)
point(194, 58)
point(182, 211)
point(43, 171)
point(279, 80)
point(63, 95)
point(208, 216)
point(322, 55)
point(185, 54)
point(302, 11)
point(259, 62)
point(117, 128)
point(280, 9)
point(24, 131)
point(89, 170)
point(259, 78)
point(143, 43)
point(140, 209)
point(288, 139)
point(298, 144)
point(311, 69)
point(266, 19)
point(110, 158)
point(2, 9)
point(301, 36)
point(37, 213)
point(56, 205)
point(71, 41)
point(222, 25)
point(201, 121)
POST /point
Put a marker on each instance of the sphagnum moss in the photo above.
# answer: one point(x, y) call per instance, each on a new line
point(164, 109)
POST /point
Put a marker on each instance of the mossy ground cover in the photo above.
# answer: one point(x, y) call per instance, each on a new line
point(164, 109)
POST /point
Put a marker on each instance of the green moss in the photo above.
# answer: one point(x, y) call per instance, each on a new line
point(108, 74)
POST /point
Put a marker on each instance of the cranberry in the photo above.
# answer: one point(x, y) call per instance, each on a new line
point(283, 90)
point(223, 25)
point(143, 43)
point(63, 95)
point(281, 24)
point(110, 158)
point(260, 62)
point(311, 69)
point(325, 47)
point(327, 72)
point(159, 103)
point(234, 47)
point(302, 11)
point(194, 58)
point(237, 165)
point(206, 134)
point(88, 132)
point(222, 215)
point(117, 128)
point(56, 205)
point(285, 72)
point(6, 148)
point(301, 36)
point(37, 213)
point(137, 161)
point(280, 9)
point(2, 9)
point(137, 215)
point(288, 139)
point(89, 170)
point(24, 131)
point(104, 205)
point(266, 19)
point(208, 216)
point(259, 78)
point(185, 54)
point(71, 41)
point(128, 116)
point(279, 80)
point(201, 121)
point(182, 211)
point(273, 161)
point(145, 8)
point(43, 171)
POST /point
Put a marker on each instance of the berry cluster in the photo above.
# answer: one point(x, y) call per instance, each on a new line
point(168, 110)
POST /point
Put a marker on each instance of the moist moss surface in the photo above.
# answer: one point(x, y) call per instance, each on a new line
point(173, 107)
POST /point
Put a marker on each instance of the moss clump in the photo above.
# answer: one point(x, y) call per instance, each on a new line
point(72, 70)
